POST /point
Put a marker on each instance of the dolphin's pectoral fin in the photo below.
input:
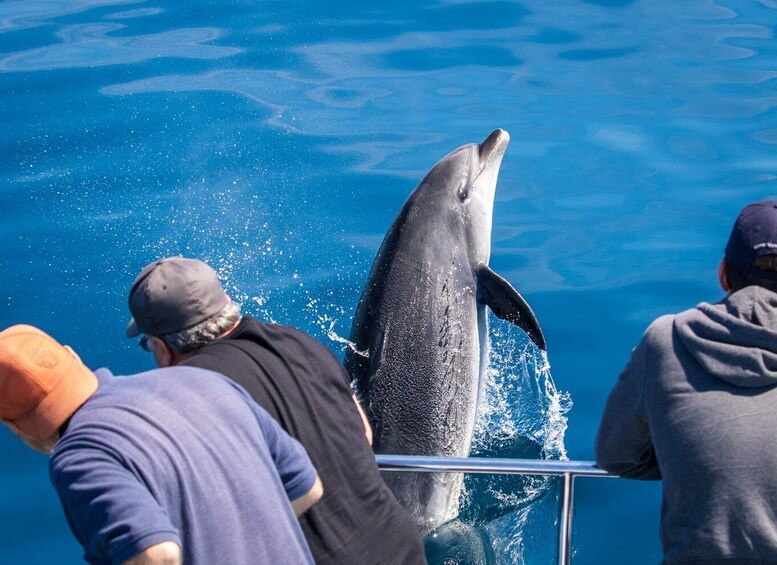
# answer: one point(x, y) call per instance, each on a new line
point(506, 303)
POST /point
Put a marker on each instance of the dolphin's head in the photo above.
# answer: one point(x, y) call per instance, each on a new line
point(462, 185)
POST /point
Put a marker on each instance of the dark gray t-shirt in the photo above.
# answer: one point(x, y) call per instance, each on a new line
point(306, 389)
point(181, 455)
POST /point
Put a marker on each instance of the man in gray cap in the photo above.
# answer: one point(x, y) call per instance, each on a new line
point(180, 302)
point(186, 318)
point(695, 407)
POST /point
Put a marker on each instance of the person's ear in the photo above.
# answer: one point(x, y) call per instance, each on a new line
point(722, 276)
point(163, 354)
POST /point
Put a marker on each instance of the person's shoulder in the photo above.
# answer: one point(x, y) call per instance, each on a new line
point(661, 325)
point(170, 382)
point(291, 333)
point(193, 377)
point(166, 377)
point(659, 331)
point(276, 328)
point(291, 340)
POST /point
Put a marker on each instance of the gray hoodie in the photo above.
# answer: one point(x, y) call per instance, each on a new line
point(696, 406)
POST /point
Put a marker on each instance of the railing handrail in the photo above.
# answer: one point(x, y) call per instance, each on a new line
point(568, 470)
point(430, 464)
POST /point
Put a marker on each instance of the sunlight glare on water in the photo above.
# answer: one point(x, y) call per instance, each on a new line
point(278, 140)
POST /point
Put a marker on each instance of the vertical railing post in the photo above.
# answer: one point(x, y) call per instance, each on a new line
point(565, 520)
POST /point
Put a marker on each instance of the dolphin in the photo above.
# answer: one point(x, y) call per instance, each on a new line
point(420, 335)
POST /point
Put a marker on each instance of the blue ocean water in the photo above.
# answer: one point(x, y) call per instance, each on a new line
point(277, 140)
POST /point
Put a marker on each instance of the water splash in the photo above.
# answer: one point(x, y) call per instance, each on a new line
point(327, 322)
point(521, 415)
point(521, 402)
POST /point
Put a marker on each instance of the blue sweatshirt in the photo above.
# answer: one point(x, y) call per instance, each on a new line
point(180, 455)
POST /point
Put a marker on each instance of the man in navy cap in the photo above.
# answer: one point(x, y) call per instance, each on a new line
point(696, 407)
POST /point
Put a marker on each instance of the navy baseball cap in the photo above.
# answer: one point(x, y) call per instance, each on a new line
point(754, 234)
point(174, 294)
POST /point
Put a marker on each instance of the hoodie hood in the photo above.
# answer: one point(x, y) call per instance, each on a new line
point(736, 339)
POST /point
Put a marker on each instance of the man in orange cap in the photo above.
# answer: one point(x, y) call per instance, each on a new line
point(157, 469)
point(42, 384)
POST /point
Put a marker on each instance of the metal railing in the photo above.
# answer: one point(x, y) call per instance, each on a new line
point(568, 470)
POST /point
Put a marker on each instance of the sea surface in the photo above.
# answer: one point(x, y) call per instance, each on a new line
point(278, 139)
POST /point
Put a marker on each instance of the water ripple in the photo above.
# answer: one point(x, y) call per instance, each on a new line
point(91, 45)
point(26, 14)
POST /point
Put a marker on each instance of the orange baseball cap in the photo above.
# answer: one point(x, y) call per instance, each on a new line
point(42, 384)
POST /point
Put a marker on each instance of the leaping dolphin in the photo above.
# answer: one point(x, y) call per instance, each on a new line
point(420, 332)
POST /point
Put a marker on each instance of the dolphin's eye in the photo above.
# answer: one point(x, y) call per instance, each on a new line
point(464, 189)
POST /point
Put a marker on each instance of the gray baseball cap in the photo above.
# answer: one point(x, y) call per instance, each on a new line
point(174, 294)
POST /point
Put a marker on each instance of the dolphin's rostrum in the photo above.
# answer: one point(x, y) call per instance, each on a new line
point(422, 320)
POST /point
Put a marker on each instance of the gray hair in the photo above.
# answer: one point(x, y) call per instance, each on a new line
point(203, 333)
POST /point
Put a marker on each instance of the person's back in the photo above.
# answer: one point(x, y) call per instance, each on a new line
point(695, 407)
point(192, 443)
point(301, 384)
point(709, 397)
